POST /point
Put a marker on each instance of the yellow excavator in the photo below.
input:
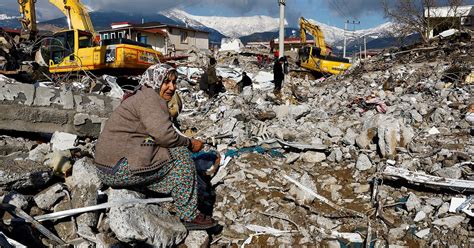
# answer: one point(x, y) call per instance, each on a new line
point(79, 49)
point(318, 58)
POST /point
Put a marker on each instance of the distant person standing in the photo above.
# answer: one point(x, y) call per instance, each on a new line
point(212, 77)
point(278, 75)
point(272, 44)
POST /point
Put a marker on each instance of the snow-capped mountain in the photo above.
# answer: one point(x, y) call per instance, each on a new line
point(233, 27)
point(334, 35)
point(236, 27)
point(7, 17)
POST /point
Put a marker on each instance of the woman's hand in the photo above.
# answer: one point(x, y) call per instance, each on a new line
point(196, 145)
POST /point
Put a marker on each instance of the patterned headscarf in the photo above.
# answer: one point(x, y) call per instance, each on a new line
point(155, 75)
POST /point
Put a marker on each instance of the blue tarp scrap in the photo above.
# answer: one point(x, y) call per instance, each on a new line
point(258, 149)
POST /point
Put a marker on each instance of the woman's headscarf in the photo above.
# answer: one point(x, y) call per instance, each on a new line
point(155, 75)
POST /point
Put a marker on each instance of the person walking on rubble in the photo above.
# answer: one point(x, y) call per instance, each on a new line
point(278, 75)
point(212, 78)
point(139, 148)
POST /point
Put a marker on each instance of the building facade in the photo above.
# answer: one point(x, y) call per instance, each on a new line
point(440, 19)
point(171, 40)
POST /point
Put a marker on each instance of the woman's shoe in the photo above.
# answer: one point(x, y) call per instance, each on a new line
point(201, 222)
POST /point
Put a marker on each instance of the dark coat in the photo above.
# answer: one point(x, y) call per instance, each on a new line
point(246, 81)
point(212, 75)
point(278, 75)
point(203, 85)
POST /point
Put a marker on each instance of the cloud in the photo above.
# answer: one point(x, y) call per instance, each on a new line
point(357, 8)
point(45, 10)
point(342, 8)
point(354, 8)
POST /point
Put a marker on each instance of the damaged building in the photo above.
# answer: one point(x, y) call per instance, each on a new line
point(171, 40)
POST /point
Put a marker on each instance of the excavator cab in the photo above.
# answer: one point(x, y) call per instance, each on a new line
point(62, 45)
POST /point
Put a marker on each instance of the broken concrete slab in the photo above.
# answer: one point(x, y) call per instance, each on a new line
point(422, 233)
point(450, 222)
point(363, 162)
point(44, 96)
point(63, 141)
point(197, 239)
point(23, 93)
point(313, 157)
point(84, 173)
point(302, 195)
point(16, 199)
point(48, 197)
point(23, 174)
point(148, 224)
point(24, 109)
point(413, 203)
point(350, 137)
point(39, 153)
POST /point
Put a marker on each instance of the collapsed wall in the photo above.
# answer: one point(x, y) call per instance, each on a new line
point(25, 107)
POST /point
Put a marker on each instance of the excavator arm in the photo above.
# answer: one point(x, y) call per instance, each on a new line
point(316, 32)
point(76, 13)
point(28, 19)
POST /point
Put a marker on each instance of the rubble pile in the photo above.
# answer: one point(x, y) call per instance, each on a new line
point(381, 155)
point(405, 109)
point(21, 60)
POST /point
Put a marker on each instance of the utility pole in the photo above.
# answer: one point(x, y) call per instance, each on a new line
point(345, 28)
point(353, 32)
point(354, 23)
point(365, 48)
point(281, 39)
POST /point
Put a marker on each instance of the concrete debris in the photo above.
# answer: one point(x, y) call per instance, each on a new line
point(38, 153)
point(16, 199)
point(451, 222)
point(422, 233)
point(146, 224)
point(63, 141)
point(48, 197)
point(413, 203)
point(363, 162)
point(197, 239)
point(381, 152)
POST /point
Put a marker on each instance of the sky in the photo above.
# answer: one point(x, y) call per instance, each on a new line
point(333, 12)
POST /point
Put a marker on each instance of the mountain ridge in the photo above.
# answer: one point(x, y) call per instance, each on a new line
point(251, 28)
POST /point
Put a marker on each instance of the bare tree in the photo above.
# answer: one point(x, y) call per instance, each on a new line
point(420, 16)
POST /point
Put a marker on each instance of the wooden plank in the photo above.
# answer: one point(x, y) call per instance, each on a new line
point(22, 214)
point(418, 178)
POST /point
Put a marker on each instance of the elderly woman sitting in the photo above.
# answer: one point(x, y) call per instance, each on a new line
point(140, 147)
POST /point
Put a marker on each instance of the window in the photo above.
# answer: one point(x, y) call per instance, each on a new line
point(62, 46)
point(106, 36)
point(85, 40)
point(184, 37)
point(121, 34)
point(144, 39)
point(112, 36)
